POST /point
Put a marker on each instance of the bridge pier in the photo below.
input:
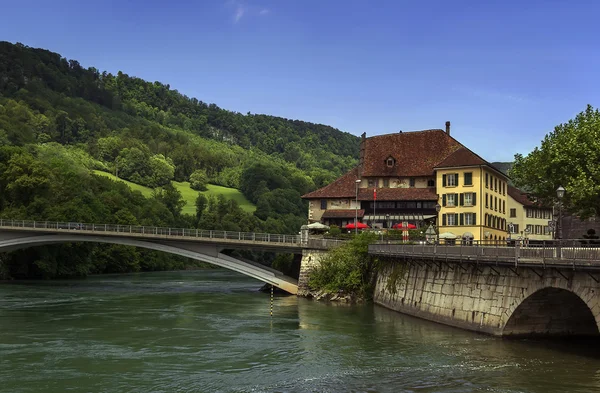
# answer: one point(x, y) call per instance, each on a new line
point(310, 260)
point(497, 300)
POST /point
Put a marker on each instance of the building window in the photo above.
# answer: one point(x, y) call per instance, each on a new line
point(411, 205)
point(496, 184)
point(546, 230)
point(470, 219)
point(468, 179)
point(486, 200)
point(451, 200)
point(389, 162)
point(451, 218)
point(529, 213)
point(429, 205)
point(496, 203)
point(386, 183)
point(411, 182)
point(323, 204)
point(468, 199)
point(529, 228)
point(503, 188)
point(486, 180)
point(371, 183)
point(515, 228)
point(513, 213)
point(451, 180)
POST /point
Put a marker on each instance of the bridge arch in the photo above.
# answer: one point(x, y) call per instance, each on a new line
point(193, 250)
point(552, 311)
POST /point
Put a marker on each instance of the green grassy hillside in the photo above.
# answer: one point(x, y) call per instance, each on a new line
point(190, 195)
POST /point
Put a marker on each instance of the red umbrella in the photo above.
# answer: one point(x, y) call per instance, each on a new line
point(360, 225)
point(400, 226)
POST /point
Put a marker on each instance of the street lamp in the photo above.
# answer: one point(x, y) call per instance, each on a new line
point(357, 182)
point(560, 193)
point(437, 222)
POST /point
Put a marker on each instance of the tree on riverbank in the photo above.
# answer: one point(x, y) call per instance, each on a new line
point(347, 269)
point(569, 157)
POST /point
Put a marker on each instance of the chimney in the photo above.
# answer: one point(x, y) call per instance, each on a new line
point(448, 127)
point(361, 159)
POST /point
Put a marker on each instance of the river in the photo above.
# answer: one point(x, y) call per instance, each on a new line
point(210, 331)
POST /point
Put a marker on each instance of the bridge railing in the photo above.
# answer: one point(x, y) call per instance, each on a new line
point(564, 250)
point(152, 231)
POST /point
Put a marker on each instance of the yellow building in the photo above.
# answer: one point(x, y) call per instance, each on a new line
point(526, 219)
point(401, 178)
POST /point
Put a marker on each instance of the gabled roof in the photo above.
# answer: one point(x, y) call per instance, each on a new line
point(465, 157)
point(520, 196)
point(416, 153)
point(343, 187)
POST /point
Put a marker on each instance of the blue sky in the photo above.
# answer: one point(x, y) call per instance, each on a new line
point(503, 72)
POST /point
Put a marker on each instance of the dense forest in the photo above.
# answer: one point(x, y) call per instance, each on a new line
point(60, 121)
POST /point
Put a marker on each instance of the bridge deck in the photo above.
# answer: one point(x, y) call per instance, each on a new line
point(247, 239)
point(569, 255)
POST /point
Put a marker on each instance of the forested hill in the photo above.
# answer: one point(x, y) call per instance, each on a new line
point(32, 69)
point(61, 123)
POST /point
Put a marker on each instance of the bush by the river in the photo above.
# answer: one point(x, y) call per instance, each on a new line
point(347, 269)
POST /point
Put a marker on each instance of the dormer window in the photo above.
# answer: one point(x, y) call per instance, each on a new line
point(390, 162)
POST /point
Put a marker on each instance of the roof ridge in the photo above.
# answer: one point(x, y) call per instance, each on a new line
point(407, 132)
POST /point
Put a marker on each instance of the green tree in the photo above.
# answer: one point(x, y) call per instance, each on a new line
point(201, 203)
point(171, 198)
point(162, 170)
point(199, 180)
point(569, 157)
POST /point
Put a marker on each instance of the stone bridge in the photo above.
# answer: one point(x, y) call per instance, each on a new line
point(548, 290)
point(203, 245)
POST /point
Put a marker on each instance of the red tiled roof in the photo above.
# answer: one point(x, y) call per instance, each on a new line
point(465, 157)
point(415, 153)
point(461, 157)
point(344, 187)
point(343, 213)
point(398, 194)
point(520, 196)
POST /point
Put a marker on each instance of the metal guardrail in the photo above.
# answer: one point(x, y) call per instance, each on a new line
point(152, 231)
point(570, 251)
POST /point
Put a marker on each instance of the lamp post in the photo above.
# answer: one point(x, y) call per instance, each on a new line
point(357, 182)
point(560, 193)
point(437, 222)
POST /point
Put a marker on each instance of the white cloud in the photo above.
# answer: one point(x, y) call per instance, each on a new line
point(241, 10)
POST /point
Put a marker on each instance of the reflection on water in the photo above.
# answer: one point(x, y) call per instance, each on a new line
point(210, 331)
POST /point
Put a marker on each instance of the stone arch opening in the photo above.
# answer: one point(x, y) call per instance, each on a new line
point(552, 312)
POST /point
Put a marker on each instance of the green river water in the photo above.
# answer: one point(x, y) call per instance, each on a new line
point(210, 331)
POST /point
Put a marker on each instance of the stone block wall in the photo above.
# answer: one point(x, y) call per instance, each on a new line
point(310, 260)
point(484, 298)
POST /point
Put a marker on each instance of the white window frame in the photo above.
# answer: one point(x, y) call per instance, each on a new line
point(451, 180)
point(469, 219)
point(449, 198)
point(469, 196)
point(450, 220)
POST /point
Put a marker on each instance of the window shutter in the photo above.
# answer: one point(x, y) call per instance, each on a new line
point(474, 218)
point(456, 177)
point(444, 199)
point(474, 199)
point(443, 219)
point(455, 218)
point(462, 218)
point(444, 180)
point(462, 199)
